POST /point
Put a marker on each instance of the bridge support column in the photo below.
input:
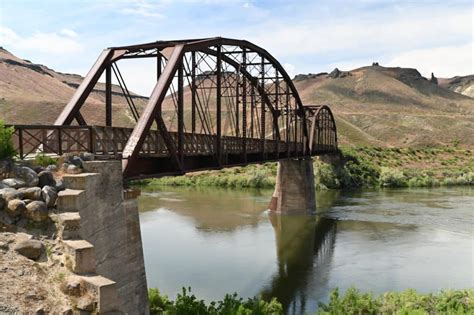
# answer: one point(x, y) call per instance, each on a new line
point(294, 189)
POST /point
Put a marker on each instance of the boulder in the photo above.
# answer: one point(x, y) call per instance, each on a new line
point(31, 249)
point(73, 286)
point(75, 160)
point(87, 156)
point(37, 211)
point(33, 193)
point(6, 168)
point(60, 185)
point(49, 195)
point(26, 174)
point(46, 178)
point(14, 182)
point(52, 168)
point(15, 208)
point(8, 194)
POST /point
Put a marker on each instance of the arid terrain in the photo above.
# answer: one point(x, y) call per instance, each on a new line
point(373, 105)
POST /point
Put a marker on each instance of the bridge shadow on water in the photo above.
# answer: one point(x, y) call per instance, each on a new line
point(304, 247)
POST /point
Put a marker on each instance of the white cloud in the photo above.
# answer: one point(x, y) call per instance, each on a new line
point(145, 9)
point(380, 32)
point(68, 32)
point(446, 61)
point(52, 43)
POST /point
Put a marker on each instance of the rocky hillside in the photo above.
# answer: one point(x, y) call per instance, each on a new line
point(463, 85)
point(35, 94)
point(373, 105)
point(384, 106)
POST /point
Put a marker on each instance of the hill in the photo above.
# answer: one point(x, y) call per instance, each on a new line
point(384, 106)
point(35, 94)
point(373, 105)
point(463, 85)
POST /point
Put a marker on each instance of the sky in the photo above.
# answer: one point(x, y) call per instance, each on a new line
point(305, 36)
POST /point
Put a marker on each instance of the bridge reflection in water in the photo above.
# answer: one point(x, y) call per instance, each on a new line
point(304, 244)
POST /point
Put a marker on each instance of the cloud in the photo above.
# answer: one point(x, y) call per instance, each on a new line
point(68, 32)
point(445, 61)
point(145, 9)
point(378, 32)
point(64, 42)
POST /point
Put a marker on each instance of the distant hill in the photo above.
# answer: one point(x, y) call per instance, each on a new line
point(35, 94)
point(463, 85)
point(373, 105)
point(391, 106)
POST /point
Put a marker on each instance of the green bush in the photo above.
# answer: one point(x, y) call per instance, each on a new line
point(187, 304)
point(392, 178)
point(6, 144)
point(407, 302)
point(43, 160)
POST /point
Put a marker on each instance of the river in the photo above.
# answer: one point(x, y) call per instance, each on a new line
point(221, 241)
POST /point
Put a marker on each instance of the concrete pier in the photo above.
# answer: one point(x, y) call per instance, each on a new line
point(294, 189)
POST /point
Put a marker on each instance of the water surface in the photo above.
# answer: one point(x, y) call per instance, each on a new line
point(221, 241)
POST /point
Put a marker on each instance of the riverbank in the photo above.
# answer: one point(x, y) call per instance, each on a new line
point(352, 302)
point(353, 167)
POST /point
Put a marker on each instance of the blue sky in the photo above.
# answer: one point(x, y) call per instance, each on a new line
point(306, 36)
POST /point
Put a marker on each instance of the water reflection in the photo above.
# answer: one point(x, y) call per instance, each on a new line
point(222, 241)
point(304, 246)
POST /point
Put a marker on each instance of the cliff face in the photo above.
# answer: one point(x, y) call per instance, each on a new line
point(459, 84)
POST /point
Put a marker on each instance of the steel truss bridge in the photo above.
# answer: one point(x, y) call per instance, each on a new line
point(232, 103)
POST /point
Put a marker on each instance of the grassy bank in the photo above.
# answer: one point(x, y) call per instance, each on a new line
point(352, 302)
point(353, 167)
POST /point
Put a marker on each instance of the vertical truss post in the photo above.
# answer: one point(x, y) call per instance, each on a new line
point(262, 115)
point(193, 92)
point(108, 95)
point(180, 113)
point(287, 110)
point(244, 106)
point(277, 108)
point(218, 105)
point(237, 96)
point(158, 65)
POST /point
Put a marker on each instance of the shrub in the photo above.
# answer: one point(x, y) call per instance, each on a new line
point(407, 302)
point(43, 160)
point(187, 303)
point(6, 144)
point(392, 178)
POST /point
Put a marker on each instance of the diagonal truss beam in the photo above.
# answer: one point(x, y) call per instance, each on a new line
point(134, 143)
point(71, 110)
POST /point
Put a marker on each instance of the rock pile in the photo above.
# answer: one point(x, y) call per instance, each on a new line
point(28, 193)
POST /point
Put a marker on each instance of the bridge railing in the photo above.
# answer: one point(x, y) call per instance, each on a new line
point(109, 142)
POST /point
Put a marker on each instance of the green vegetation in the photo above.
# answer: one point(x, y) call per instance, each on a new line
point(43, 160)
point(187, 304)
point(353, 167)
point(251, 176)
point(352, 302)
point(6, 144)
point(407, 302)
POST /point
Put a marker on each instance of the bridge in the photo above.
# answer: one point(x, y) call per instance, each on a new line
point(216, 103)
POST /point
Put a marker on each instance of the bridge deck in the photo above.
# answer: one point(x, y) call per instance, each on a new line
point(155, 158)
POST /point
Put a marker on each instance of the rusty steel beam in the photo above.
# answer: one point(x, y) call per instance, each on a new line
point(72, 108)
point(134, 143)
point(108, 95)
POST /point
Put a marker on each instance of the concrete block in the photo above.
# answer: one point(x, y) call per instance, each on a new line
point(81, 181)
point(82, 254)
point(69, 225)
point(71, 200)
point(105, 290)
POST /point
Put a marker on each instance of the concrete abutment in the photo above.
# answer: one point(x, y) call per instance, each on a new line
point(294, 188)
